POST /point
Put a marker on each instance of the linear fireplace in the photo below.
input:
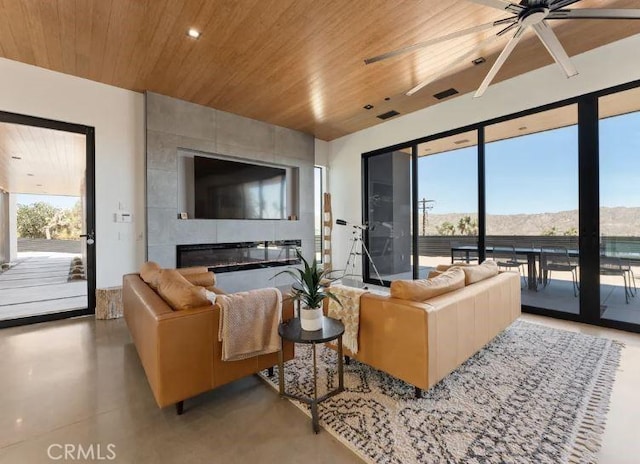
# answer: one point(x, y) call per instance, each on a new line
point(229, 257)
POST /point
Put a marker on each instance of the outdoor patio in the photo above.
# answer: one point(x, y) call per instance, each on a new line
point(37, 284)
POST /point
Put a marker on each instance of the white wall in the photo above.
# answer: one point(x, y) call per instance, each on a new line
point(322, 150)
point(118, 118)
point(607, 66)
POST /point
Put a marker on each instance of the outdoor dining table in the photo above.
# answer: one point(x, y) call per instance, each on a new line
point(533, 277)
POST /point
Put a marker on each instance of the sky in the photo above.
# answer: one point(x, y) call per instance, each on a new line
point(58, 201)
point(535, 173)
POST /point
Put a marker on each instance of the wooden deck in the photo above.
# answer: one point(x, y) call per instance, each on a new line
point(38, 285)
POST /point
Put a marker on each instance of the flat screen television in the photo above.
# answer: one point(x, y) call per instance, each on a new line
point(233, 190)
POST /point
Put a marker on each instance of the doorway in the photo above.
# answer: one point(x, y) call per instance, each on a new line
point(47, 220)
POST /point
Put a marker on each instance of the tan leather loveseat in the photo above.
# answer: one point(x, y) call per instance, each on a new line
point(421, 342)
point(179, 350)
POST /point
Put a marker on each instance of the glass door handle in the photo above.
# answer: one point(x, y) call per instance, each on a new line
point(91, 237)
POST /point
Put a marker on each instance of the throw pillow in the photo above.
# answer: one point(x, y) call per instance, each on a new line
point(421, 290)
point(192, 270)
point(204, 279)
point(178, 292)
point(149, 273)
point(480, 272)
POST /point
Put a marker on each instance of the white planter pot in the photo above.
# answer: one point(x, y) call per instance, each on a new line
point(311, 319)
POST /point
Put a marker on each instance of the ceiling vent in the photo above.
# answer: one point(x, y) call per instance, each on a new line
point(388, 114)
point(446, 93)
point(460, 142)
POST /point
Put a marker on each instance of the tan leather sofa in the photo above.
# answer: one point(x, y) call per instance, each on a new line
point(179, 350)
point(422, 342)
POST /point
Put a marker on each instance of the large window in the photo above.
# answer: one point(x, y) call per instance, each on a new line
point(318, 193)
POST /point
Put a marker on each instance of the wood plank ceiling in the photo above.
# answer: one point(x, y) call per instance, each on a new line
point(294, 63)
point(41, 161)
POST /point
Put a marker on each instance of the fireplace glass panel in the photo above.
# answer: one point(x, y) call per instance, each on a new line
point(228, 257)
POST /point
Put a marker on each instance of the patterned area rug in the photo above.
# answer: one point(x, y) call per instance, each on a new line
point(533, 395)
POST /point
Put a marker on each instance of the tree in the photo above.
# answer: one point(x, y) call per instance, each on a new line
point(571, 232)
point(468, 226)
point(41, 220)
point(550, 231)
point(33, 219)
point(446, 228)
point(65, 223)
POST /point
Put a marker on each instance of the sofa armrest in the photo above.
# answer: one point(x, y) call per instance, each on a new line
point(185, 345)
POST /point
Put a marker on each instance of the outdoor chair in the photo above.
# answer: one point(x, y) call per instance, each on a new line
point(557, 259)
point(505, 257)
point(615, 267)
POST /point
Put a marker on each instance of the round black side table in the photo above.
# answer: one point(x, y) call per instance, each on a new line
point(332, 329)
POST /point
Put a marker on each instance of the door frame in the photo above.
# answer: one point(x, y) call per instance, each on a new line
point(90, 265)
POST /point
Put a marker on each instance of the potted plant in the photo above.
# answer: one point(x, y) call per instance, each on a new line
point(310, 290)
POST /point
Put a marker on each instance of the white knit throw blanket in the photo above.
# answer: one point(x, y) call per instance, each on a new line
point(249, 323)
point(348, 313)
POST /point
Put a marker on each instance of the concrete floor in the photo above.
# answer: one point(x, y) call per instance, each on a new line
point(79, 381)
point(38, 284)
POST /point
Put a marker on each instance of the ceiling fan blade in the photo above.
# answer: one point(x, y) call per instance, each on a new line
point(596, 13)
point(444, 38)
point(557, 4)
point(554, 47)
point(471, 53)
point(500, 61)
point(501, 5)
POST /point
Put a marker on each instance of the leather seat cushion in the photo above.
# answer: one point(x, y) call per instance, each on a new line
point(179, 293)
point(424, 289)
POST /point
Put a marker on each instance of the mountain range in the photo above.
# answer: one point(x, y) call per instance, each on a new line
point(616, 221)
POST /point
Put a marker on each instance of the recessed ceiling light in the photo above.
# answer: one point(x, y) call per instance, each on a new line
point(194, 33)
point(30, 175)
point(17, 157)
point(522, 128)
point(479, 60)
point(368, 107)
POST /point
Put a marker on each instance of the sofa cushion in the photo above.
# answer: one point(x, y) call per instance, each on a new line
point(424, 289)
point(150, 272)
point(203, 279)
point(479, 272)
point(178, 292)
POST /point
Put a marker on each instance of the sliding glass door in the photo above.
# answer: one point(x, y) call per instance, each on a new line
point(532, 205)
point(551, 193)
point(448, 201)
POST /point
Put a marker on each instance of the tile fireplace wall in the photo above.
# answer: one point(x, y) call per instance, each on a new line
point(173, 126)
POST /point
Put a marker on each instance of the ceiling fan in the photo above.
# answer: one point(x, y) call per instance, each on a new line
point(527, 14)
